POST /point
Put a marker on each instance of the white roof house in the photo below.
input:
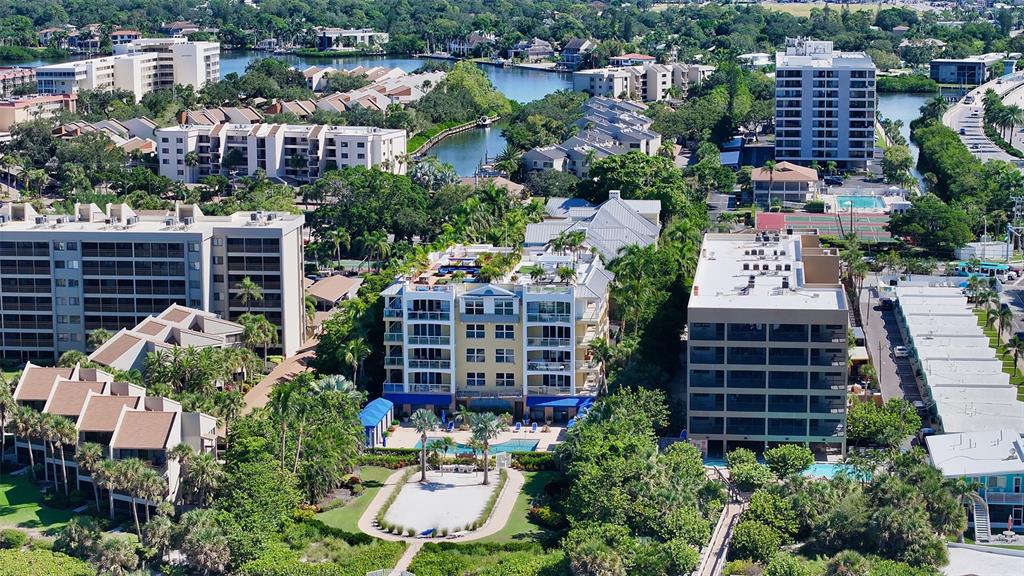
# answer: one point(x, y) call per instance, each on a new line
point(610, 226)
point(990, 452)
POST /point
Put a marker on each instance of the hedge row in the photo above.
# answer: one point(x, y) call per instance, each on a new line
point(359, 561)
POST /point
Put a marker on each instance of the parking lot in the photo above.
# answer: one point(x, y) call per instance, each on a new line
point(882, 335)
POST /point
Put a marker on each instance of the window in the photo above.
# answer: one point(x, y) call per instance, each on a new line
point(74, 301)
point(218, 259)
point(474, 307)
point(505, 332)
point(474, 330)
point(476, 379)
point(193, 246)
point(476, 355)
point(506, 379)
point(58, 264)
point(218, 278)
point(504, 307)
point(505, 356)
point(218, 241)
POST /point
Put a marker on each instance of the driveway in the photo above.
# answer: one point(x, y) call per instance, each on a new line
point(881, 335)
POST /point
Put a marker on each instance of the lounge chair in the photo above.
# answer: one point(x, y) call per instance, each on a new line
point(533, 428)
point(519, 426)
point(451, 426)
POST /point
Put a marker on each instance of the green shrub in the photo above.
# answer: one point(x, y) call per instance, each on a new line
point(787, 565)
point(750, 477)
point(740, 456)
point(41, 563)
point(545, 516)
point(534, 461)
point(815, 206)
point(357, 489)
point(755, 541)
point(12, 538)
point(787, 459)
point(355, 561)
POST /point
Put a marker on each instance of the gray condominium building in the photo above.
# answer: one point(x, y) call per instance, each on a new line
point(767, 345)
point(63, 276)
point(824, 105)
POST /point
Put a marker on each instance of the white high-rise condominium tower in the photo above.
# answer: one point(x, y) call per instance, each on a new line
point(824, 105)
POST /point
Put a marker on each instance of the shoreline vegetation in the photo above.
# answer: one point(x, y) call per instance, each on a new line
point(911, 84)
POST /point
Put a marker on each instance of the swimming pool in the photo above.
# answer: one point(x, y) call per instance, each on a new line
point(817, 470)
point(859, 203)
point(514, 445)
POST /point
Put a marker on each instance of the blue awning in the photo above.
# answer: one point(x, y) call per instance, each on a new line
point(559, 401)
point(419, 399)
point(377, 410)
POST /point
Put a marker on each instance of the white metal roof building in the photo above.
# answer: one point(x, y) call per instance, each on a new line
point(963, 379)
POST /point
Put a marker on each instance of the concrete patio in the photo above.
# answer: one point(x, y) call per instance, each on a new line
point(407, 437)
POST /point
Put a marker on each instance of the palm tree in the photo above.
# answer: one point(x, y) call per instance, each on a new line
point(1016, 347)
point(375, 247)
point(89, 456)
point(1014, 116)
point(192, 160)
point(7, 409)
point(769, 166)
point(248, 292)
point(25, 426)
point(424, 421)
point(485, 426)
point(442, 446)
point(152, 486)
point(97, 337)
point(107, 477)
point(115, 556)
point(203, 476)
point(1004, 317)
point(338, 238)
point(129, 473)
point(566, 274)
point(257, 331)
point(355, 351)
point(183, 453)
point(65, 433)
point(229, 405)
point(283, 401)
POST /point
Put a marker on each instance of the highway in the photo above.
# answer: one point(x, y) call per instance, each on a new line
point(967, 119)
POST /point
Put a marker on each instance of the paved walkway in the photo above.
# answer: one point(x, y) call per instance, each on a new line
point(259, 395)
point(965, 562)
point(408, 437)
point(499, 516)
point(410, 552)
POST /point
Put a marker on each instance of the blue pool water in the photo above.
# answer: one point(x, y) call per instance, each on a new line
point(860, 203)
point(817, 470)
point(514, 445)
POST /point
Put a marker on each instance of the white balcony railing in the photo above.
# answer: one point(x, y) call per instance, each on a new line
point(549, 342)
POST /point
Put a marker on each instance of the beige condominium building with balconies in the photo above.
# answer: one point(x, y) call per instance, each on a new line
point(519, 343)
point(767, 345)
point(63, 276)
point(298, 153)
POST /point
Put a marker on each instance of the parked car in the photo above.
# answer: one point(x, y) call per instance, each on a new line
point(963, 131)
point(920, 407)
point(834, 180)
point(900, 352)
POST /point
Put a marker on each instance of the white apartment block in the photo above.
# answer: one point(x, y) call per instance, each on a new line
point(63, 276)
point(118, 416)
point(647, 82)
point(519, 343)
point(767, 345)
point(140, 66)
point(824, 105)
point(298, 153)
point(350, 38)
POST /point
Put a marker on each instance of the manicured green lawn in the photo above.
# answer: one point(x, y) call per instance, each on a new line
point(1016, 377)
point(520, 526)
point(21, 506)
point(347, 517)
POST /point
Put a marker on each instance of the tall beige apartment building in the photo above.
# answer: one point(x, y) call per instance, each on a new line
point(63, 276)
point(299, 153)
point(519, 343)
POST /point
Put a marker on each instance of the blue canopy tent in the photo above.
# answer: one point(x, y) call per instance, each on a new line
point(376, 417)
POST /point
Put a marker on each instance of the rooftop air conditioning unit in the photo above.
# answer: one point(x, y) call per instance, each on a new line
point(271, 216)
point(188, 220)
point(169, 221)
point(131, 220)
point(254, 217)
point(42, 219)
point(62, 220)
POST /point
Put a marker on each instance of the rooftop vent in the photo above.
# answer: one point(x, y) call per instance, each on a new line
point(785, 283)
point(170, 221)
point(188, 220)
point(42, 219)
point(132, 220)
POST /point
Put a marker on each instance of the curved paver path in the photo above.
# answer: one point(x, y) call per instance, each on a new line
point(499, 515)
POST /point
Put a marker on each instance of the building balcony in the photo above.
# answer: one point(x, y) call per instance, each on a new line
point(1005, 498)
point(430, 340)
point(430, 364)
point(549, 318)
point(549, 390)
point(392, 313)
point(508, 392)
point(421, 315)
point(394, 387)
point(392, 336)
point(543, 366)
point(429, 388)
point(549, 342)
point(588, 365)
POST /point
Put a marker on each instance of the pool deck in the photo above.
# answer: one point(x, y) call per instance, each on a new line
point(407, 437)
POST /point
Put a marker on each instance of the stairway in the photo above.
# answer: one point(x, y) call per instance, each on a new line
point(982, 527)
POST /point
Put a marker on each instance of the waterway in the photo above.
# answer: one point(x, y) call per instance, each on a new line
point(905, 107)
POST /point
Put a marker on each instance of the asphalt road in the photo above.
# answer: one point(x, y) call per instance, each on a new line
point(881, 335)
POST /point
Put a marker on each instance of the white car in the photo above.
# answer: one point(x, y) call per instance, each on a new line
point(900, 352)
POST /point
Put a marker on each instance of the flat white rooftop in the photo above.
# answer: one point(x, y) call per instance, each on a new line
point(988, 452)
point(758, 272)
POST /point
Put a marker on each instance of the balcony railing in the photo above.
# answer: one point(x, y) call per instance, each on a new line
point(393, 360)
point(394, 387)
point(548, 317)
point(587, 365)
point(548, 366)
point(430, 364)
point(393, 337)
point(430, 340)
point(1015, 498)
point(509, 392)
point(549, 390)
point(392, 312)
point(549, 342)
point(420, 315)
point(429, 388)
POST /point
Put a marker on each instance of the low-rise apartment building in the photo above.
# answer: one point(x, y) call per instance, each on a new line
point(140, 66)
point(350, 38)
point(119, 416)
point(12, 78)
point(787, 182)
point(177, 326)
point(519, 342)
point(297, 153)
point(991, 459)
point(767, 345)
point(609, 226)
point(24, 108)
point(646, 82)
point(63, 276)
point(608, 127)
